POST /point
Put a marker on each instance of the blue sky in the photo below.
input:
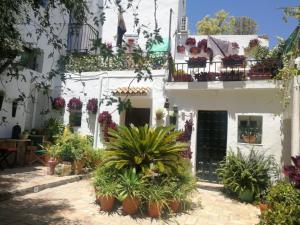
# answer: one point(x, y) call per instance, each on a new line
point(264, 12)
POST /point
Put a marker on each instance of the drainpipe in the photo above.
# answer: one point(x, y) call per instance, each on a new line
point(96, 130)
point(295, 142)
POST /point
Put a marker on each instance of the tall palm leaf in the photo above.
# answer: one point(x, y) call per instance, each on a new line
point(144, 148)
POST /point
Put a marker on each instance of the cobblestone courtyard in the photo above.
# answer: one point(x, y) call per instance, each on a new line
point(74, 204)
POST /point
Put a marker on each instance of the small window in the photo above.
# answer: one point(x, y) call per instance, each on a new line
point(75, 119)
point(250, 129)
point(14, 108)
point(1, 98)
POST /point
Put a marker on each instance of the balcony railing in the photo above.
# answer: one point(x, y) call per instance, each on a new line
point(81, 38)
point(217, 71)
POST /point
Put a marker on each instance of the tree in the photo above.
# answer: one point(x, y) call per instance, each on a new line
point(223, 23)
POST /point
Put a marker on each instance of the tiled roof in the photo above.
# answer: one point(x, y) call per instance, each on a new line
point(132, 91)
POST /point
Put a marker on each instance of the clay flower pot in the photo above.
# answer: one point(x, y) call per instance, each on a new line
point(131, 205)
point(78, 166)
point(249, 138)
point(263, 207)
point(154, 209)
point(106, 203)
point(51, 166)
point(174, 205)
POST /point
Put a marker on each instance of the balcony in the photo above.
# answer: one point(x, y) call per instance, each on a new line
point(253, 74)
point(81, 38)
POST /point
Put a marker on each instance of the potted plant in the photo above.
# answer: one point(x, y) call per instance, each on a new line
point(52, 151)
point(182, 76)
point(92, 105)
point(199, 62)
point(172, 117)
point(202, 44)
point(75, 104)
point(25, 135)
point(106, 187)
point(106, 123)
point(159, 114)
point(180, 49)
point(156, 196)
point(58, 103)
point(190, 41)
point(130, 191)
point(233, 60)
point(66, 155)
point(195, 50)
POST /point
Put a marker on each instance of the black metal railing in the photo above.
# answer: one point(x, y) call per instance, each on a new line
point(81, 38)
point(218, 71)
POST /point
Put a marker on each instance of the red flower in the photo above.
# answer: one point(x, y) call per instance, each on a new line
point(180, 49)
point(92, 105)
point(190, 41)
point(202, 44)
point(75, 104)
point(58, 103)
point(293, 171)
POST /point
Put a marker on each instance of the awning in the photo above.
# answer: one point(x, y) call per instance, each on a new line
point(132, 91)
point(161, 47)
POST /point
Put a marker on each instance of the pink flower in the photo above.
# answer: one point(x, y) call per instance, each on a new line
point(59, 103)
point(92, 105)
point(75, 104)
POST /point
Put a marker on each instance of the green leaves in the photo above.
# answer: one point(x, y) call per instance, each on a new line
point(142, 147)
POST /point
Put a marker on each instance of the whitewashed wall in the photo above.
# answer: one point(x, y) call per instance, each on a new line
point(262, 102)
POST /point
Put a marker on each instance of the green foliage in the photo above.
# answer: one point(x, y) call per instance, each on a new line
point(54, 129)
point(105, 181)
point(240, 172)
point(146, 149)
point(93, 157)
point(260, 52)
point(284, 200)
point(131, 184)
point(222, 23)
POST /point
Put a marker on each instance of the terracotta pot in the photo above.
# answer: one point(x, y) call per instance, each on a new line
point(154, 209)
point(249, 138)
point(263, 207)
point(131, 205)
point(174, 205)
point(78, 166)
point(51, 166)
point(106, 203)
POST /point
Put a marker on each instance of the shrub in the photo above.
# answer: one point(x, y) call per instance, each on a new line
point(54, 129)
point(284, 202)
point(293, 171)
point(105, 182)
point(252, 172)
point(145, 149)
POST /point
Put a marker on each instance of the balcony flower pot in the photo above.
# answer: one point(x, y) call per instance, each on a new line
point(75, 104)
point(195, 50)
point(190, 41)
point(131, 205)
point(106, 203)
point(183, 78)
point(199, 62)
point(175, 205)
point(233, 61)
point(78, 166)
point(202, 44)
point(51, 166)
point(154, 209)
point(249, 138)
point(180, 49)
point(246, 196)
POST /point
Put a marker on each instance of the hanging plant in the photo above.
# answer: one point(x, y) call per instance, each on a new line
point(253, 43)
point(180, 49)
point(235, 45)
point(92, 105)
point(195, 50)
point(58, 103)
point(190, 41)
point(106, 123)
point(186, 137)
point(202, 44)
point(74, 104)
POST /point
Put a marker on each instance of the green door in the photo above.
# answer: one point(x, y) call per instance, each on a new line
point(211, 143)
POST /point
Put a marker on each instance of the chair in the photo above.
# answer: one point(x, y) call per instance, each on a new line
point(8, 148)
point(35, 151)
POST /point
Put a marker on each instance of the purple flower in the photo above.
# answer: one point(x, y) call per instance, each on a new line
point(293, 171)
point(92, 105)
point(75, 104)
point(59, 103)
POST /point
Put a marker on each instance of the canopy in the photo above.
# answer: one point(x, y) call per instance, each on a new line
point(161, 47)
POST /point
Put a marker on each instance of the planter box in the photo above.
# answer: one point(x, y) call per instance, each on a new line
point(233, 63)
point(183, 78)
point(201, 63)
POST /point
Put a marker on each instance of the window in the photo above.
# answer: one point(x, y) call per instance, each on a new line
point(75, 118)
point(43, 3)
point(14, 108)
point(250, 129)
point(1, 98)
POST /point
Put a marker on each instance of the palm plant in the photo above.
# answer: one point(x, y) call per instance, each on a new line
point(146, 149)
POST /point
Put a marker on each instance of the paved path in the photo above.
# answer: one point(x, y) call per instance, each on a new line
point(73, 204)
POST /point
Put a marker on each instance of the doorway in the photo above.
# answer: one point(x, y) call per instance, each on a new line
point(137, 116)
point(211, 143)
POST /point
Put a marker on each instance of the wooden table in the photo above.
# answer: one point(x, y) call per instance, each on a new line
point(21, 146)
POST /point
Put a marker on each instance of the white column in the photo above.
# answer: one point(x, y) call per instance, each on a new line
point(295, 142)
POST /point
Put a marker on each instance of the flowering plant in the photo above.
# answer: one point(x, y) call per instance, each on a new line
point(197, 62)
point(185, 136)
point(105, 120)
point(253, 43)
point(75, 104)
point(235, 45)
point(58, 103)
point(190, 41)
point(180, 49)
point(92, 105)
point(233, 60)
point(195, 50)
point(202, 44)
point(293, 171)
point(109, 45)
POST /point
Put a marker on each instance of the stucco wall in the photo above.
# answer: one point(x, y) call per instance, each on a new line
point(236, 102)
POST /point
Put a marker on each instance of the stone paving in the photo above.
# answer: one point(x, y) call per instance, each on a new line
point(74, 204)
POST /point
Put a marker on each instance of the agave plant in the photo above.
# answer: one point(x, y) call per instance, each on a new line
point(146, 149)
